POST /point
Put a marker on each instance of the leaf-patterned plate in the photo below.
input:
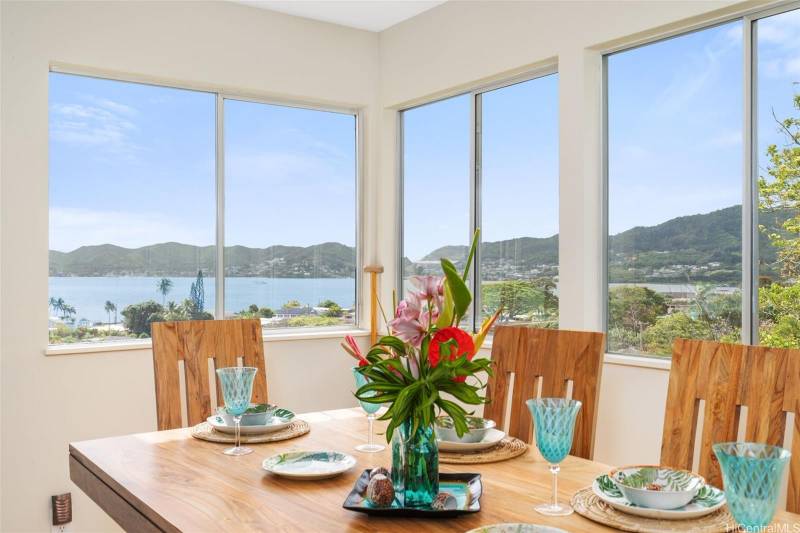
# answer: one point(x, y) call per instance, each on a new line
point(280, 419)
point(707, 500)
point(309, 465)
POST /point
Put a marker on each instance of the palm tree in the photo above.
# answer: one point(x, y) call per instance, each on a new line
point(164, 285)
point(68, 311)
point(110, 306)
point(59, 305)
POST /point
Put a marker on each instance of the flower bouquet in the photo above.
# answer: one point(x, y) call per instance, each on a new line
point(422, 366)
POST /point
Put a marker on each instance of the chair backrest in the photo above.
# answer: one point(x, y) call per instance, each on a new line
point(195, 342)
point(558, 357)
point(727, 377)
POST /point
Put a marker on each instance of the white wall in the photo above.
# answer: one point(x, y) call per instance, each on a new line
point(50, 401)
point(456, 45)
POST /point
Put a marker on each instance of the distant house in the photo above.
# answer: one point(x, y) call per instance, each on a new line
point(291, 312)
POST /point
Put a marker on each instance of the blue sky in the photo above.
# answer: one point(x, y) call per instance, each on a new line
point(133, 165)
point(129, 162)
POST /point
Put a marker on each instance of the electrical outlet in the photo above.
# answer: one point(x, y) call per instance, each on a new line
point(63, 528)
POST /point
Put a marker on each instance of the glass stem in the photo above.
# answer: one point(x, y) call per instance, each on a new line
point(237, 420)
point(370, 418)
point(554, 470)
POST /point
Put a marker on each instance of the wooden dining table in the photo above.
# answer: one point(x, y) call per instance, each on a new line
point(170, 481)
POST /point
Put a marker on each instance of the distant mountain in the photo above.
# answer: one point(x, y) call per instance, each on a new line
point(327, 260)
point(694, 248)
point(704, 247)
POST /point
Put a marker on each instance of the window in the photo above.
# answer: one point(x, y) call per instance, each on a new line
point(134, 207)
point(675, 191)
point(290, 206)
point(777, 49)
point(436, 165)
point(680, 193)
point(519, 201)
point(494, 155)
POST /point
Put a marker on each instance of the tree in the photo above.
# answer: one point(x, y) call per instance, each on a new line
point(266, 312)
point(333, 311)
point(164, 285)
point(659, 336)
point(111, 307)
point(634, 309)
point(253, 308)
point(292, 304)
point(67, 312)
point(139, 317)
point(524, 299)
point(58, 305)
point(327, 303)
point(197, 292)
point(779, 197)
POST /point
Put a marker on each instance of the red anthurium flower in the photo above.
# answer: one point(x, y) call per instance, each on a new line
point(454, 341)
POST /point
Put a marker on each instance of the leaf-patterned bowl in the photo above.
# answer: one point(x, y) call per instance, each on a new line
point(708, 500)
point(656, 487)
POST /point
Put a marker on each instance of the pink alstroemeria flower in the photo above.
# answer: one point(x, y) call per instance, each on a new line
point(408, 330)
point(429, 287)
point(409, 308)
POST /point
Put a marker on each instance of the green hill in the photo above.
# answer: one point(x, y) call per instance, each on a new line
point(705, 247)
point(325, 260)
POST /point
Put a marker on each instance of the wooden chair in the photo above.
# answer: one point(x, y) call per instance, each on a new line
point(557, 356)
point(195, 342)
point(728, 377)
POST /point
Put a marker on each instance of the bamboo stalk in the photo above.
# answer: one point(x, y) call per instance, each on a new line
point(373, 271)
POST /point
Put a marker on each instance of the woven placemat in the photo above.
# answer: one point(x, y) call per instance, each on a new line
point(508, 448)
point(204, 431)
point(586, 503)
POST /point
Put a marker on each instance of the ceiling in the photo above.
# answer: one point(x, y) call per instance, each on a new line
point(372, 15)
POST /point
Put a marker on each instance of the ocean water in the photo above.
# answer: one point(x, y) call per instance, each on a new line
point(89, 295)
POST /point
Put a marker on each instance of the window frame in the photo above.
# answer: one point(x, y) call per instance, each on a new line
point(221, 94)
point(749, 177)
point(475, 174)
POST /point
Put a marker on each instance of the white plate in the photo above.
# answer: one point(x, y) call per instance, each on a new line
point(493, 436)
point(278, 422)
point(309, 465)
point(516, 528)
point(696, 508)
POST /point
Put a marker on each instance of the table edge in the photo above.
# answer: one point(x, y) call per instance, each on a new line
point(117, 488)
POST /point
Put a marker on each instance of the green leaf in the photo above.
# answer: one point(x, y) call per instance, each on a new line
point(393, 342)
point(446, 312)
point(461, 295)
point(471, 254)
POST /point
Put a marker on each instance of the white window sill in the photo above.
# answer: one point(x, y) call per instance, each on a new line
point(277, 335)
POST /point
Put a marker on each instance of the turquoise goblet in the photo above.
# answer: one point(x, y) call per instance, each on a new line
point(370, 409)
point(554, 424)
point(237, 389)
point(752, 476)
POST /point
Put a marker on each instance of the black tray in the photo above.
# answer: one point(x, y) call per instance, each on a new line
point(466, 488)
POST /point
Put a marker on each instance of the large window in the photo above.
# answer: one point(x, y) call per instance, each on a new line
point(290, 206)
point(703, 242)
point(777, 113)
point(492, 157)
point(134, 210)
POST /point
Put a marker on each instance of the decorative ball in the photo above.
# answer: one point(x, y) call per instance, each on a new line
point(380, 470)
point(380, 491)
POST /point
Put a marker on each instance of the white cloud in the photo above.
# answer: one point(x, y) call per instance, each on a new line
point(102, 124)
point(71, 228)
point(700, 69)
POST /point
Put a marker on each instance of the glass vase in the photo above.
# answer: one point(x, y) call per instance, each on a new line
point(415, 465)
